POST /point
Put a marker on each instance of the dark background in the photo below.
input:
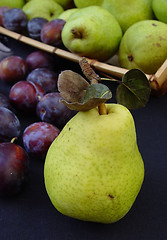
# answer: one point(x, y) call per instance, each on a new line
point(31, 216)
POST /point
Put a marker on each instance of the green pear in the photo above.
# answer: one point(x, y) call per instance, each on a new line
point(93, 170)
point(66, 4)
point(67, 13)
point(160, 9)
point(143, 46)
point(127, 12)
point(82, 3)
point(92, 32)
point(40, 8)
point(12, 4)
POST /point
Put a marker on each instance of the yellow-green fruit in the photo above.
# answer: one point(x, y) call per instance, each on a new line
point(67, 13)
point(127, 12)
point(66, 4)
point(144, 46)
point(40, 8)
point(92, 32)
point(160, 9)
point(94, 170)
point(12, 3)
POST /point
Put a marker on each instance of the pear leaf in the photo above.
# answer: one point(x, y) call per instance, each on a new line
point(96, 91)
point(95, 95)
point(72, 86)
point(134, 90)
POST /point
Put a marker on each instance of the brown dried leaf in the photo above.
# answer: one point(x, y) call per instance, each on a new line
point(88, 71)
point(72, 86)
point(91, 103)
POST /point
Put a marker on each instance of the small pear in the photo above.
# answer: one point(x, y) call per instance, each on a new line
point(93, 170)
point(160, 10)
point(67, 13)
point(92, 32)
point(143, 46)
point(12, 4)
point(66, 4)
point(40, 8)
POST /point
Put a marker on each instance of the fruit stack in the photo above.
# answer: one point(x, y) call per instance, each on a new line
point(87, 154)
point(136, 31)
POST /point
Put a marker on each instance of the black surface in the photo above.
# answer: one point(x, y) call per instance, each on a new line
point(31, 216)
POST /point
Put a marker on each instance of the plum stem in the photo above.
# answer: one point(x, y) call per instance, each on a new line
point(13, 139)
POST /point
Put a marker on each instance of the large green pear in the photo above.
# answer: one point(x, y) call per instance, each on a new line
point(93, 170)
point(92, 32)
point(40, 8)
point(160, 9)
point(144, 46)
point(12, 4)
point(127, 12)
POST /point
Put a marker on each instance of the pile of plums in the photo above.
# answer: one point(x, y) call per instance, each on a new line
point(38, 28)
point(33, 91)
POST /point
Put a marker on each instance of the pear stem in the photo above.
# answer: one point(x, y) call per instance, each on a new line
point(94, 79)
point(76, 33)
point(102, 109)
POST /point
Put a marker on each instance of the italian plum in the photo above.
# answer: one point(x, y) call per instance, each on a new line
point(4, 101)
point(14, 168)
point(34, 27)
point(2, 10)
point(13, 69)
point(25, 95)
point(37, 138)
point(15, 20)
point(51, 32)
point(10, 126)
point(40, 59)
point(44, 77)
point(50, 109)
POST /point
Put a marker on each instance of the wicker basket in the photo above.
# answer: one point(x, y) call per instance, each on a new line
point(158, 81)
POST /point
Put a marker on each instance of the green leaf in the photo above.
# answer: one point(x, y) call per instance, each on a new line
point(95, 95)
point(96, 91)
point(134, 91)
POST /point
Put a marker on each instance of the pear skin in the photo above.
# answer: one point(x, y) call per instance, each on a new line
point(160, 10)
point(12, 4)
point(93, 170)
point(41, 8)
point(83, 3)
point(127, 12)
point(66, 4)
point(67, 13)
point(143, 46)
point(92, 32)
